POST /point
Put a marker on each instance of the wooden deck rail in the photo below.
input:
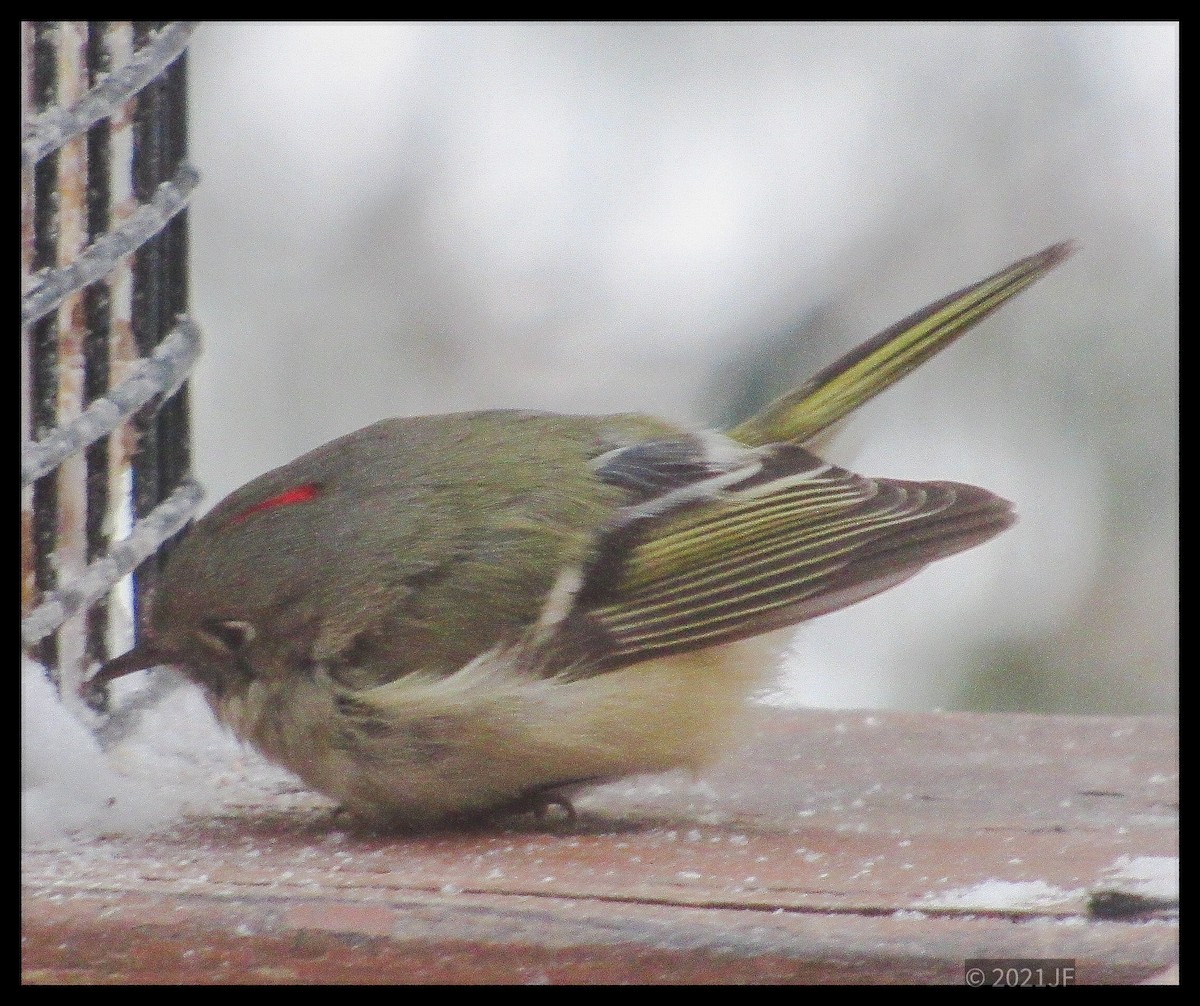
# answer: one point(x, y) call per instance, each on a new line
point(833, 847)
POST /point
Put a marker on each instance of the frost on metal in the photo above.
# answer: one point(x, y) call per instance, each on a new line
point(107, 344)
point(160, 374)
point(52, 128)
point(98, 259)
point(122, 559)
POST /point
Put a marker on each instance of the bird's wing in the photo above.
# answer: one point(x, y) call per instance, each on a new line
point(718, 553)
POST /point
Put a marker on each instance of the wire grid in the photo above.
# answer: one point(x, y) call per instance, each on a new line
point(107, 344)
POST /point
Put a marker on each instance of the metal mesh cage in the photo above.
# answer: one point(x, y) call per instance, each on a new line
point(106, 340)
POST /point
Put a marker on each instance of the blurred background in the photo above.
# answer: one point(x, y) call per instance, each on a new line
point(688, 219)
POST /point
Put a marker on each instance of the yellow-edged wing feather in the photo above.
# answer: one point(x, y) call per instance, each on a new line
point(788, 536)
point(799, 539)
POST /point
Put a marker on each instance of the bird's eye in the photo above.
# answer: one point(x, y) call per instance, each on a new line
point(226, 636)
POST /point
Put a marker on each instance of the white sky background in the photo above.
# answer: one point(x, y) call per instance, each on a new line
point(399, 219)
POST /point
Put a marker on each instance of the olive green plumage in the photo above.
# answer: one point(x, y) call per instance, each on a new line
point(442, 616)
point(416, 521)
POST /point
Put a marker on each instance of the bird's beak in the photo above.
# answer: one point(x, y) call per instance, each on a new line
point(145, 654)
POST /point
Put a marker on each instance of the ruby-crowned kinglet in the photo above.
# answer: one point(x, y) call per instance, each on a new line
point(441, 617)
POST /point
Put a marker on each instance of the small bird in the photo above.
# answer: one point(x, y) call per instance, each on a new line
point(442, 618)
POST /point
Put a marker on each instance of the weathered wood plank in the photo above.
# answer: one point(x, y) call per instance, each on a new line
point(831, 847)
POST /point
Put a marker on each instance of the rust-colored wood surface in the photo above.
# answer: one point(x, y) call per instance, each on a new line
point(833, 847)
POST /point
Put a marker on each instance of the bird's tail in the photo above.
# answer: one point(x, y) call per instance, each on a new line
point(865, 371)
